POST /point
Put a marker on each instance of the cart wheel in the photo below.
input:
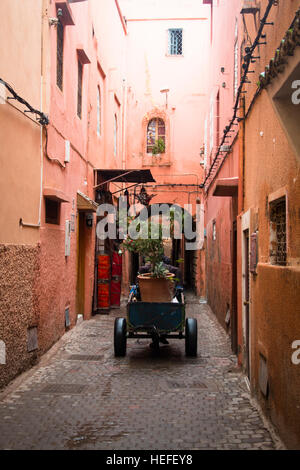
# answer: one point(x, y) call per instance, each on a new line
point(191, 337)
point(120, 337)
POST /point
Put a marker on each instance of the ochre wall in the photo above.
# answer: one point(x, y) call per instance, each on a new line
point(20, 181)
point(20, 154)
point(272, 167)
point(275, 325)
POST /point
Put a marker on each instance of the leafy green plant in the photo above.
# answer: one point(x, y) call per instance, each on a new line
point(158, 147)
point(149, 242)
point(160, 270)
point(147, 245)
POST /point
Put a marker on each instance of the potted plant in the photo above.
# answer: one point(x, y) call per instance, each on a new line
point(156, 285)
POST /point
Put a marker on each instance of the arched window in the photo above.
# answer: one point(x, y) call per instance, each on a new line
point(115, 135)
point(98, 111)
point(156, 136)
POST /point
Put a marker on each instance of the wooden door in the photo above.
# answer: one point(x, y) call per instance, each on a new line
point(80, 263)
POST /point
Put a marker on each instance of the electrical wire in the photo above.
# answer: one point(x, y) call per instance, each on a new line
point(42, 119)
point(246, 30)
point(248, 59)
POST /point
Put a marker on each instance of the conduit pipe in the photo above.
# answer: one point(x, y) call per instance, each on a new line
point(26, 224)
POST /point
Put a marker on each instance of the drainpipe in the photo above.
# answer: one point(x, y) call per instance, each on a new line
point(241, 157)
point(21, 223)
point(25, 224)
point(124, 123)
point(241, 192)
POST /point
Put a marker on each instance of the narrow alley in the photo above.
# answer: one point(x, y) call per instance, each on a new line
point(82, 397)
point(150, 152)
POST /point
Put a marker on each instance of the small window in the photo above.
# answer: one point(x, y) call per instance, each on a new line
point(98, 111)
point(175, 42)
point(59, 55)
point(79, 90)
point(156, 136)
point(52, 211)
point(278, 232)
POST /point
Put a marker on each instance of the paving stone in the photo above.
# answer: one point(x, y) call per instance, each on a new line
point(85, 398)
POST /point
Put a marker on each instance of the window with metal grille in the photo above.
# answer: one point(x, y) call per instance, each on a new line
point(175, 41)
point(156, 136)
point(278, 232)
point(59, 55)
point(79, 90)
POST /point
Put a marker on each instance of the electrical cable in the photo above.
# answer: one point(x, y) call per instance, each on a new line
point(246, 65)
point(42, 119)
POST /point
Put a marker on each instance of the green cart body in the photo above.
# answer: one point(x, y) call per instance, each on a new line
point(158, 321)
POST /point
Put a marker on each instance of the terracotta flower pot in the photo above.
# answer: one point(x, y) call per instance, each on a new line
point(156, 289)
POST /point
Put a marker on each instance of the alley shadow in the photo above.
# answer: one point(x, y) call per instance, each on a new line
point(167, 356)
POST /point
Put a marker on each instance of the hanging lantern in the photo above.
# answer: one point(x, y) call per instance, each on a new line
point(143, 197)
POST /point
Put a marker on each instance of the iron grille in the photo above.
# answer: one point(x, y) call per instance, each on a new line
point(278, 219)
point(175, 41)
point(59, 55)
point(79, 91)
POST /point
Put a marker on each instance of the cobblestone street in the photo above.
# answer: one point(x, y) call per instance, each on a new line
point(81, 397)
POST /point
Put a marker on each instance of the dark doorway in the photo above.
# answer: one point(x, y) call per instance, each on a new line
point(246, 302)
point(80, 263)
point(234, 341)
point(134, 267)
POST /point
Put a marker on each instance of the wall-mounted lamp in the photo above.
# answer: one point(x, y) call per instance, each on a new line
point(89, 219)
point(55, 21)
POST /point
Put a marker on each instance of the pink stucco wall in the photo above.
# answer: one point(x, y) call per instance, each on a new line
point(151, 69)
point(88, 150)
point(20, 153)
point(221, 210)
